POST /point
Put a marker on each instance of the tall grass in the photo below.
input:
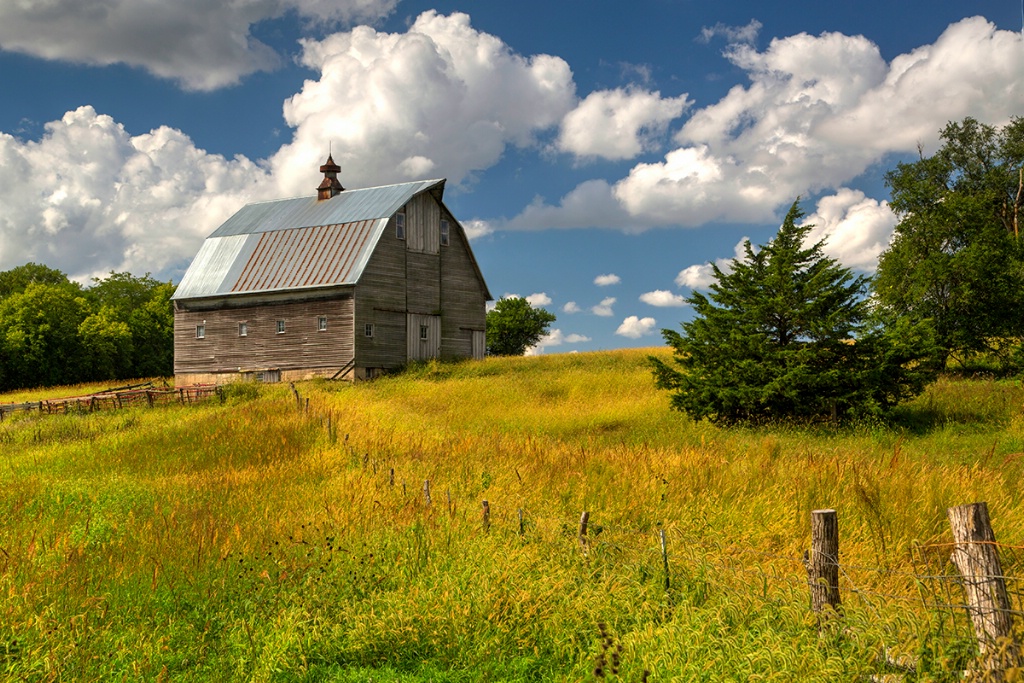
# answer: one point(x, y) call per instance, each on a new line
point(252, 541)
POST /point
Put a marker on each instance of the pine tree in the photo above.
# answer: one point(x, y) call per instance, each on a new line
point(786, 333)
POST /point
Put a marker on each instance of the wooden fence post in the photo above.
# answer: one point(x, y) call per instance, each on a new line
point(584, 519)
point(487, 517)
point(664, 556)
point(977, 559)
point(426, 491)
point(823, 561)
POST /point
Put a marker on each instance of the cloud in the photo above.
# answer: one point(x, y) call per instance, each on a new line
point(555, 338)
point(663, 298)
point(702, 275)
point(817, 113)
point(571, 307)
point(589, 204)
point(855, 229)
point(202, 44)
point(440, 98)
point(606, 280)
point(733, 34)
point(539, 299)
point(604, 309)
point(634, 327)
point(618, 124)
point(88, 197)
point(477, 228)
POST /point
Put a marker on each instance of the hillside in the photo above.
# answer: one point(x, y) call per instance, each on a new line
point(265, 538)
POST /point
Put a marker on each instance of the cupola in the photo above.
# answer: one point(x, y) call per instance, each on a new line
point(330, 186)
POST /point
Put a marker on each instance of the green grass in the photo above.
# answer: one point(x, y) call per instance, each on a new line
point(245, 540)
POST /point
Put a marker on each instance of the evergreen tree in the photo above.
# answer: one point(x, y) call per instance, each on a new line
point(786, 333)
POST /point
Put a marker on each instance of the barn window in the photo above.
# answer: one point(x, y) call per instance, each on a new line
point(424, 332)
point(444, 232)
point(321, 323)
point(201, 331)
point(243, 329)
point(280, 327)
point(400, 225)
point(368, 329)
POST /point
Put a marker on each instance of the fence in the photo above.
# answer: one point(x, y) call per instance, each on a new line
point(112, 399)
point(962, 581)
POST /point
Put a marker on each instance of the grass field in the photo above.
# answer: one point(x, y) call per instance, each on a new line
point(249, 540)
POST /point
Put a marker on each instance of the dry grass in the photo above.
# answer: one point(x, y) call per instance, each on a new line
point(251, 541)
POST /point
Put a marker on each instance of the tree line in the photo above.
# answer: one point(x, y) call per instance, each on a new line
point(783, 332)
point(55, 331)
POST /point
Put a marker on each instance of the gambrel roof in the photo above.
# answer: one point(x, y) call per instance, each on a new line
point(297, 243)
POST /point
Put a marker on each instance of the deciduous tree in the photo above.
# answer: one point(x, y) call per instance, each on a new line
point(514, 325)
point(956, 260)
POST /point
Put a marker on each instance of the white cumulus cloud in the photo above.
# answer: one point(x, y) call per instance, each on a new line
point(855, 229)
point(818, 111)
point(701, 275)
point(555, 338)
point(604, 309)
point(440, 98)
point(618, 124)
point(89, 197)
point(635, 327)
point(202, 44)
point(663, 298)
point(571, 307)
point(539, 299)
point(606, 280)
point(477, 228)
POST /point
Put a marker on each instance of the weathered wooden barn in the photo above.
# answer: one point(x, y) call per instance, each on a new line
point(347, 284)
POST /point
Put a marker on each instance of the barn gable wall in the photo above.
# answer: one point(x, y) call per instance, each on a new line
point(463, 296)
point(380, 300)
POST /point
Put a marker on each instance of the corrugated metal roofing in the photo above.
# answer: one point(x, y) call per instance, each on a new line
point(307, 212)
point(320, 256)
point(305, 257)
point(296, 243)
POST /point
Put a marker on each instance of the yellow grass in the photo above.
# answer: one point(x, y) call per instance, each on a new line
point(249, 540)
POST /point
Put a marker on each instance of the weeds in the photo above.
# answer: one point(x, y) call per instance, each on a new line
point(247, 540)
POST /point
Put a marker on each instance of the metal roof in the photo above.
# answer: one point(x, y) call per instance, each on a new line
point(321, 256)
point(349, 206)
point(296, 243)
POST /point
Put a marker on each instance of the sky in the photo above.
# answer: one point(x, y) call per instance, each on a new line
point(601, 155)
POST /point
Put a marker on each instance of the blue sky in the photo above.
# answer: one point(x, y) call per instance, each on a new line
point(600, 153)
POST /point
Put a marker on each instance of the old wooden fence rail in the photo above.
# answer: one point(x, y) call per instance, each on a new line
point(112, 399)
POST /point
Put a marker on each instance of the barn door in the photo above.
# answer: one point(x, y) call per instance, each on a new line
point(479, 344)
point(424, 336)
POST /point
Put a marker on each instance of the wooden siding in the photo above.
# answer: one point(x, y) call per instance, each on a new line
point(302, 346)
point(424, 278)
point(380, 299)
point(463, 297)
point(423, 224)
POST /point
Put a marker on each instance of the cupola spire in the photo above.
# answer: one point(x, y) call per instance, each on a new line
point(330, 185)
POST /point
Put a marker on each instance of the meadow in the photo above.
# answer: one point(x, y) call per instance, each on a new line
point(261, 538)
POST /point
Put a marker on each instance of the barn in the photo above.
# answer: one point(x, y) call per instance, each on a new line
point(348, 284)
